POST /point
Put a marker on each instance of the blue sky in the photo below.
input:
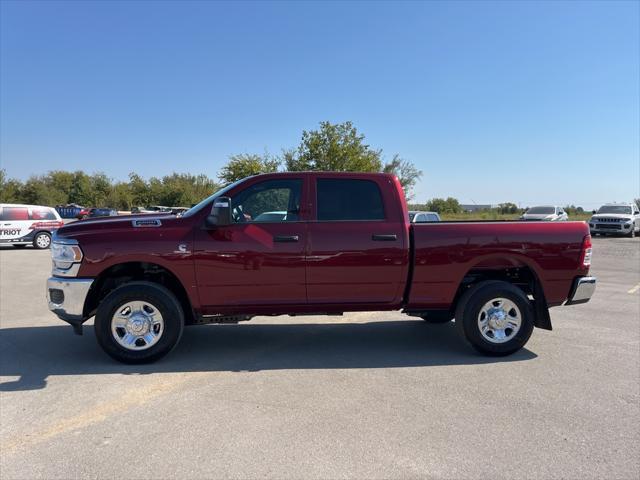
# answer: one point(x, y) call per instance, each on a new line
point(494, 101)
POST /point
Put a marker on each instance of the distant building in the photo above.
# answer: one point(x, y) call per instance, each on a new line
point(476, 207)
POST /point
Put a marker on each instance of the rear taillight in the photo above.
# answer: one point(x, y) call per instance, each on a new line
point(586, 251)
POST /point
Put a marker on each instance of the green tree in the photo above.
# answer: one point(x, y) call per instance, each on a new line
point(247, 164)
point(101, 188)
point(334, 147)
point(440, 205)
point(10, 189)
point(80, 192)
point(406, 172)
point(508, 207)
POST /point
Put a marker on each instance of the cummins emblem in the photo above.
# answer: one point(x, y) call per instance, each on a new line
point(146, 222)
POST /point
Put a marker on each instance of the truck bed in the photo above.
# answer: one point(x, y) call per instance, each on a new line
point(444, 253)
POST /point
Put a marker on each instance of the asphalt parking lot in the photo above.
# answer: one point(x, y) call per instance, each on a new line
point(367, 395)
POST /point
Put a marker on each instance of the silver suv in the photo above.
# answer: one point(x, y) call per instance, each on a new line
point(616, 219)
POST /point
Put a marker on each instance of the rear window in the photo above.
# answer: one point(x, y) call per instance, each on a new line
point(42, 214)
point(14, 213)
point(349, 199)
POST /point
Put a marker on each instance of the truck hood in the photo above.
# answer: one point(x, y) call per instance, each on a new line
point(121, 222)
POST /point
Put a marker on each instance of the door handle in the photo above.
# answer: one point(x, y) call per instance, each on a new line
point(285, 238)
point(384, 238)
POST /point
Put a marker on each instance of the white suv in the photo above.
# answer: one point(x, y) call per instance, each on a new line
point(547, 213)
point(22, 225)
point(616, 219)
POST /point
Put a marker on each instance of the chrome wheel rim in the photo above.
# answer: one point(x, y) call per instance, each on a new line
point(137, 325)
point(499, 320)
point(43, 241)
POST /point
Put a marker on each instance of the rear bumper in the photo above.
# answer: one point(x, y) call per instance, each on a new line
point(66, 297)
point(582, 290)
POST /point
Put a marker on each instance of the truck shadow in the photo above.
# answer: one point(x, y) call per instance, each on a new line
point(33, 354)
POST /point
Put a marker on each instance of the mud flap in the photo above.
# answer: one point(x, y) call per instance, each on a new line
point(541, 309)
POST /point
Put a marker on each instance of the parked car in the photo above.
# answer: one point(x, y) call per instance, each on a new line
point(22, 225)
point(545, 213)
point(83, 213)
point(102, 212)
point(423, 217)
point(616, 219)
point(344, 245)
point(271, 217)
point(178, 210)
point(159, 209)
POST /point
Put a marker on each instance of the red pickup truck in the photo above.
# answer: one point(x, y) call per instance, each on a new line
point(311, 243)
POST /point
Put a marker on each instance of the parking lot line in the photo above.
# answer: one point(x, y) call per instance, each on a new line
point(98, 413)
point(634, 289)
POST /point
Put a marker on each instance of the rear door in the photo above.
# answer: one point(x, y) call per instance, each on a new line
point(358, 245)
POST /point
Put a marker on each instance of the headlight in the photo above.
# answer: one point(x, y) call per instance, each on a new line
point(64, 253)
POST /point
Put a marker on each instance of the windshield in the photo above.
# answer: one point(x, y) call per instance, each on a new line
point(210, 198)
point(541, 211)
point(623, 209)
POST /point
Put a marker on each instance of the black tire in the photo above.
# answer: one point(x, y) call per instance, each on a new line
point(42, 240)
point(468, 311)
point(632, 233)
point(438, 317)
point(160, 298)
point(19, 245)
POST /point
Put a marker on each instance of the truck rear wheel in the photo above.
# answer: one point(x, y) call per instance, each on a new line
point(139, 322)
point(495, 317)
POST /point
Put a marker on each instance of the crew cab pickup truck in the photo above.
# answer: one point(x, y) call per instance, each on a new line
point(344, 244)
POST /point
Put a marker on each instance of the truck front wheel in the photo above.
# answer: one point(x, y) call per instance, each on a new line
point(139, 322)
point(495, 317)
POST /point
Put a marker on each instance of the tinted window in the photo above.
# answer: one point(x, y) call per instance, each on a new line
point(541, 210)
point(432, 218)
point(42, 214)
point(349, 199)
point(15, 213)
point(620, 209)
point(269, 201)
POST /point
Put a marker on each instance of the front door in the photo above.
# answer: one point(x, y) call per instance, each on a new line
point(259, 259)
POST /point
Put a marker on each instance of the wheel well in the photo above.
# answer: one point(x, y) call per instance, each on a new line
point(117, 275)
point(522, 277)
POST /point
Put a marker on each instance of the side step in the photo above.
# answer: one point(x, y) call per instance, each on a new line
point(206, 319)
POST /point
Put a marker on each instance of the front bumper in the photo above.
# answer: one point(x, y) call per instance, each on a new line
point(66, 297)
point(619, 228)
point(582, 290)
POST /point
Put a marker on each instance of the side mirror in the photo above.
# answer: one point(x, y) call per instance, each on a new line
point(593, 211)
point(220, 215)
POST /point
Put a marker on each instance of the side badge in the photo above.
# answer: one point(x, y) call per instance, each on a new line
point(182, 248)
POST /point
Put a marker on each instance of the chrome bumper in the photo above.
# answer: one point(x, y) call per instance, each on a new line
point(66, 297)
point(582, 290)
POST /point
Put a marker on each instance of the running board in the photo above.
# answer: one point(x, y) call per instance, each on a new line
point(207, 319)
